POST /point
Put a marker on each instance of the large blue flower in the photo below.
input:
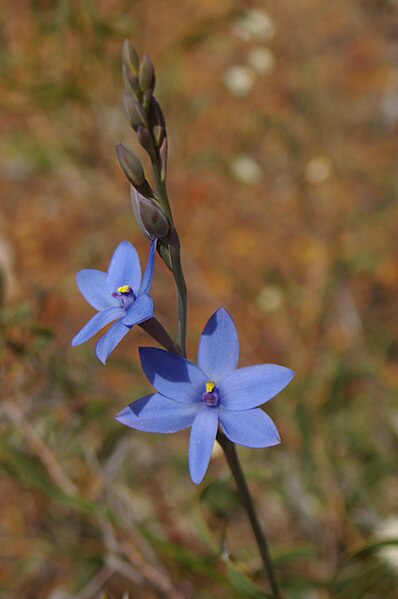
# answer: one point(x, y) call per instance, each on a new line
point(119, 295)
point(214, 393)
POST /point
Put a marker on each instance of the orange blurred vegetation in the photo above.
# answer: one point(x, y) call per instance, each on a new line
point(282, 119)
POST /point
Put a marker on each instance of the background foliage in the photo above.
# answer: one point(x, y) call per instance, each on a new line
point(283, 179)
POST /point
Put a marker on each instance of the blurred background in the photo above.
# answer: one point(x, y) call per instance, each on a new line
point(283, 120)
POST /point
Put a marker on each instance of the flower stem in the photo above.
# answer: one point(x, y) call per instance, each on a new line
point(181, 290)
point(236, 469)
point(175, 257)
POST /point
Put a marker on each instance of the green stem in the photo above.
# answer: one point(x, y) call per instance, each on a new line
point(233, 462)
point(175, 256)
point(161, 189)
point(181, 289)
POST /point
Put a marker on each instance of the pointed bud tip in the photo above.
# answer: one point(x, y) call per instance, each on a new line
point(146, 75)
point(133, 110)
point(150, 216)
point(130, 57)
point(130, 165)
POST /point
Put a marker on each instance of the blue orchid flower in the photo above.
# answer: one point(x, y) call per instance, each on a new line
point(208, 395)
point(119, 295)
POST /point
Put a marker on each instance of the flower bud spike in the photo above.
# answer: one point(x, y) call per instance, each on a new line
point(131, 83)
point(158, 134)
point(163, 151)
point(146, 98)
point(145, 140)
point(164, 253)
point(146, 75)
point(149, 215)
point(130, 165)
point(130, 57)
point(156, 116)
point(133, 111)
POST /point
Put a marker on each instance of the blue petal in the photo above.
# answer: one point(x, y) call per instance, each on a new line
point(148, 274)
point(252, 428)
point(173, 376)
point(203, 434)
point(124, 268)
point(140, 310)
point(157, 414)
point(250, 387)
point(219, 346)
point(110, 340)
point(96, 323)
point(93, 287)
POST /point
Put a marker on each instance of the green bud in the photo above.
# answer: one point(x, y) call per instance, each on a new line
point(164, 251)
point(130, 58)
point(133, 111)
point(157, 134)
point(163, 152)
point(131, 83)
point(156, 116)
point(130, 165)
point(145, 140)
point(156, 121)
point(146, 75)
point(149, 215)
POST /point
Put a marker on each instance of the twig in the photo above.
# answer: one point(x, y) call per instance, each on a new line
point(38, 447)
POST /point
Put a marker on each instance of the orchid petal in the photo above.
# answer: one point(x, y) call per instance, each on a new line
point(92, 285)
point(203, 434)
point(96, 323)
point(140, 310)
point(148, 274)
point(219, 346)
point(250, 387)
point(158, 414)
point(251, 428)
point(110, 340)
point(173, 376)
point(124, 268)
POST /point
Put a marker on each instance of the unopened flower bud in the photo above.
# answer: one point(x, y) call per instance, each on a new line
point(163, 151)
point(150, 216)
point(156, 121)
point(158, 134)
point(146, 75)
point(130, 165)
point(133, 111)
point(131, 83)
point(145, 140)
point(130, 58)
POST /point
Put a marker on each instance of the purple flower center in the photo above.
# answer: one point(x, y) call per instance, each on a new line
point(125, 295)
point(211, 397)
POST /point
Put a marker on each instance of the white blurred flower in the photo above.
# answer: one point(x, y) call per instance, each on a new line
point(58, 594)
point(239, 80)
point(254, 24)
point(388, 529)
point(262, 59)
point(246, 170)
point(270, 298)
point(318, 169)
point(389, 108)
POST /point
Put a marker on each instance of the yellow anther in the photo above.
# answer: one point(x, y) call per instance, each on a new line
point(210, 386)
point(124, 289)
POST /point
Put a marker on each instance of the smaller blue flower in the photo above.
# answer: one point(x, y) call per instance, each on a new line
point(214, 393)
point(119, 295)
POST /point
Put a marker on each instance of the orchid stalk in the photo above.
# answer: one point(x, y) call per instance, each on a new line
point(213, 397)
